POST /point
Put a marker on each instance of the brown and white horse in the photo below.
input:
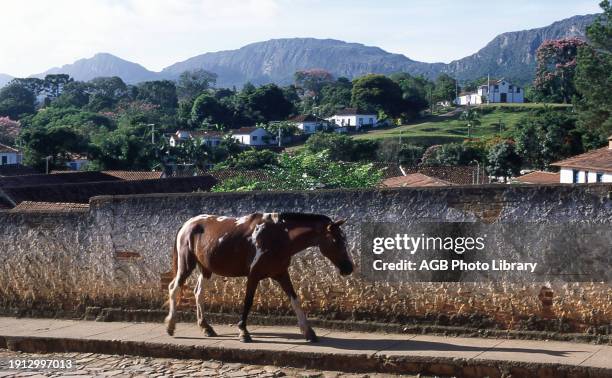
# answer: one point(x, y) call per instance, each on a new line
point(257, 246)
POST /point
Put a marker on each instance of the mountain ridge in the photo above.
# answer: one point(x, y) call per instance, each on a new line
point(510, 54)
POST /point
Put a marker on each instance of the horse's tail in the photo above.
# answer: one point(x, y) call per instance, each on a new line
point(175, 269)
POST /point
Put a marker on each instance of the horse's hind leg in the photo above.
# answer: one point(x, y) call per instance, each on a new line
point(285, 282)
point(185, 266)
point(199, 297)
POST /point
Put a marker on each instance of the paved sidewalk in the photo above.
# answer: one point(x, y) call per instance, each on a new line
point(337, 350)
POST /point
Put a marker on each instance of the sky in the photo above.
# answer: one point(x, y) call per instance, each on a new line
point(36, 35)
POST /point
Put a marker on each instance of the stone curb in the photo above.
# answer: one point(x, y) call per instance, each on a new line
point(157, 316)
point(359, 363)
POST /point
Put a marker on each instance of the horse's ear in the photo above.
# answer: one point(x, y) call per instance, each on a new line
point(340, 222)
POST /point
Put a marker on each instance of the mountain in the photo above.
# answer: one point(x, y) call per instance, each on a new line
point(513, 55)
point(278, 59)
point(510, 55)
point(103, 64)
point(4, 78)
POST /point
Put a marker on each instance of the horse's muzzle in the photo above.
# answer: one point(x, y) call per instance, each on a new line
point(346, 267)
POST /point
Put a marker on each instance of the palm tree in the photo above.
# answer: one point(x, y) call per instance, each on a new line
point(471, 118)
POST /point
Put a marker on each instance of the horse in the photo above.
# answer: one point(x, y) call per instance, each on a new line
point(256, 246)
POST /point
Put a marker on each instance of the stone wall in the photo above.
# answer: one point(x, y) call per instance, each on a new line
point(116, 254)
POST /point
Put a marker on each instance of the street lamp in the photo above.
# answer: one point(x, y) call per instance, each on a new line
point(477, 172)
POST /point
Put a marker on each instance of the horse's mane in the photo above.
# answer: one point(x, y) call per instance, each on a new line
point(304, 217)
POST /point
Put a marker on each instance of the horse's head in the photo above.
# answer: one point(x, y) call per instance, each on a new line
point(333, 246)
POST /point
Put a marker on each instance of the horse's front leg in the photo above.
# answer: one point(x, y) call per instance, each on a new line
point(252, 283)
point(285, 282)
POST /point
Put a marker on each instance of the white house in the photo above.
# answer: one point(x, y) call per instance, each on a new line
point(309, 124)
point(496, 91)
point(590, 167)
point(353, 117)
point(211, 138)
point(253, 136)
point(9, 155)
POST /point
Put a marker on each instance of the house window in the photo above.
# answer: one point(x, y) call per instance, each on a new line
point(586, 176)
point(575, 176)
point(360, 121)
point(496, 88)
point(371, 121)
point(518, 90)
point(254, 137)
point(307, 128)
point(4, 159)
point(599, 177)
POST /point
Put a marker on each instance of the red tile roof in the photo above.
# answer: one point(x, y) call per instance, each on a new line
point(414, 180)
point(5, 148)
point(539, 177)
point(50, 206)
point(596, 160)
point(134, 175)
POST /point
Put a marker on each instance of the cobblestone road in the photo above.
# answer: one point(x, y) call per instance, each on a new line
point(103, 365)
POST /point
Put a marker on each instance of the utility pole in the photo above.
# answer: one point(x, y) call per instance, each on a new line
point(152, 132)
point(47, 163)
point(280, 141)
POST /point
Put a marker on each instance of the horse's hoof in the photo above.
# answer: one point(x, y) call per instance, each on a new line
point(210, 332)
point(170, 331)
point(311, 336)
point(246, 338)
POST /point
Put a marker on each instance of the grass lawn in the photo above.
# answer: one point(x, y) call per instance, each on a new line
point(444, 129)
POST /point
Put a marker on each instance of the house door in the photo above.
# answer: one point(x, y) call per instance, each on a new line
point(503, 97)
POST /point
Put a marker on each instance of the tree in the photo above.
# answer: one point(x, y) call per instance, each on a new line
point(373, 93)
point(312, 81)
point(445, 88)
point(16, 101)
point(333, 96)
point(57, 142)
point(74, 94)
point(503, 161)
point(250, 159)
point(306, 171)
point(9, 130)
point(287, 129)
point(391, 150)
point(471, 117)
point(106, 93)
point(160, 92)
point(556, 68)
point(208, 110)
point(452, 154)
point(193, 83)
point(545, 136)
point(54, 85)
point(593, 80)
point(268, 103)
point(341, 147)
point(414, 92)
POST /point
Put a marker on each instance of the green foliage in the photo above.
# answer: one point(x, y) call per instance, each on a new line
point(445, 88)
point(415, 92)
point(556, 68)
point(312, 81)
point(238, 184)
point(471, 117)
point(454, 154)
point(308, 171)
point(545, 136)
point(503, 161)
point(372, 93)
point(160, 92)
point(594, 80)
point(192, 83)
point(268, 103)
point(208, 110)
point(58, 142)
point(16, 101)
point(341, 147)
point(391, 150)
point(250, 159)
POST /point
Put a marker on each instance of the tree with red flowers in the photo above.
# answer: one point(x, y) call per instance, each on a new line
point(556, 68)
